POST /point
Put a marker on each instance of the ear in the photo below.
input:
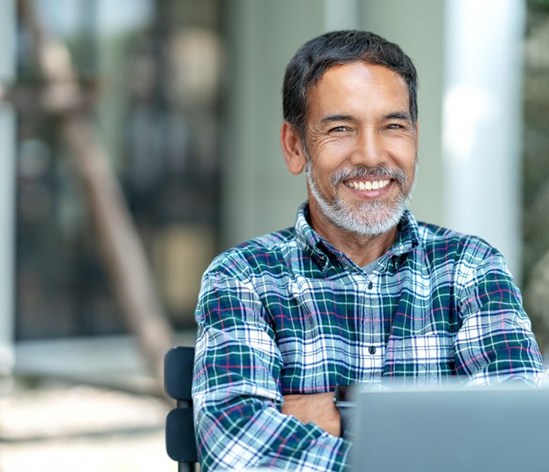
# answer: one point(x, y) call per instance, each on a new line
point(290, 142)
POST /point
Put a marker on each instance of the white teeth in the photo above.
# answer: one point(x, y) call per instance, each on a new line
point(368, 185)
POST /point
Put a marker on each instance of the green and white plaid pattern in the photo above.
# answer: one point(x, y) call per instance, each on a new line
point(288, 313)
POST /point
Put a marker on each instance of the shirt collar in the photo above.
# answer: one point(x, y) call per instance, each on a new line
point(407, 238)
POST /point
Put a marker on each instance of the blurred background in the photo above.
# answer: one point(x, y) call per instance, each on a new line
point(140, 138)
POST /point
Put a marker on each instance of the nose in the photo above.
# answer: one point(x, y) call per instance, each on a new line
point(368, 150)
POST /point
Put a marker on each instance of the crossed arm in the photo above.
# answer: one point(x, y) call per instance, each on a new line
point(315, 408)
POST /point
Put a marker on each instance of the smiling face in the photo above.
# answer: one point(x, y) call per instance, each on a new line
point(359, 152)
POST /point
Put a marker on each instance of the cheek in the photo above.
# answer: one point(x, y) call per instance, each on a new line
point(411, 172)
point(406, 157)
point(331, 147)
point(322, 178)
point(405, 146)
point(330, 160)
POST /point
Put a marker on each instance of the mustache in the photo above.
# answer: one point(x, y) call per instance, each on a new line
point(382, 171)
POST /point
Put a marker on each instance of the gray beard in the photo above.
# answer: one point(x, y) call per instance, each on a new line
point(371, 218)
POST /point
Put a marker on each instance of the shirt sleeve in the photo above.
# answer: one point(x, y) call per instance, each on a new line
point(495, 342)
point(236, 392)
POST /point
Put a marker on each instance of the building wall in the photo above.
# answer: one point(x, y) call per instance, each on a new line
point(259, 193)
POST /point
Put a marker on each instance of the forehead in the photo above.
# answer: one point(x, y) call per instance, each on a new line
point(348, 84)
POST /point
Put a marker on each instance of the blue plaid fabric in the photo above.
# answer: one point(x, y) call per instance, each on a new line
point(288, 313)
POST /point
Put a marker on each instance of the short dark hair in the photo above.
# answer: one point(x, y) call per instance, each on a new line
point(317, 55)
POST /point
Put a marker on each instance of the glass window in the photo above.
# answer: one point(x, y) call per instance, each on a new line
point(150, 70)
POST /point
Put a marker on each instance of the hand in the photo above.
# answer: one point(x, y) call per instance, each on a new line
point(315, 408)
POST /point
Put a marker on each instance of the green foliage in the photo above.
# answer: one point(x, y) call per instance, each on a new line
point(538, 4)
point(535, 164)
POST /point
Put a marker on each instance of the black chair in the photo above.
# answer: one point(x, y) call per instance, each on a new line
point(180, 438)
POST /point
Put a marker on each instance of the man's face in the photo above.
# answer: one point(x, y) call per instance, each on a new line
point(361, 147)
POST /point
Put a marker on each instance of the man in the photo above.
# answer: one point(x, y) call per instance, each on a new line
point(357, 290)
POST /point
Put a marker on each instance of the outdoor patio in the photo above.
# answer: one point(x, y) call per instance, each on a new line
point(81, 407)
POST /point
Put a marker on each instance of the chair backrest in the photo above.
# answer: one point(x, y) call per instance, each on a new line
point(180, 438)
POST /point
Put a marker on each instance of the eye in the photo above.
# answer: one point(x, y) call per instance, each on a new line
point(340, 129)
point(395, 126)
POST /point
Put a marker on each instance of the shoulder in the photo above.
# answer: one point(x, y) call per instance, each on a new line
point(465, 258)
point(264, 253)
point(443, 243)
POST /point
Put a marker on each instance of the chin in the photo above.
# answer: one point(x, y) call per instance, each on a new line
point(373, 220)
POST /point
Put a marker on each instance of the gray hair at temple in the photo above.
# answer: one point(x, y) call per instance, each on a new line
point(319, 54)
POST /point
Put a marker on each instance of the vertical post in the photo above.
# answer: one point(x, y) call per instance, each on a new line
point(341, 14)
point(482, 121)
point(7, 188)
point(260, 195)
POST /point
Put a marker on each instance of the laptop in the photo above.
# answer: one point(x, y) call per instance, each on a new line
point(450, 430)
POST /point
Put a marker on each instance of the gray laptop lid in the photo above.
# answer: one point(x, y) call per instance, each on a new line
point(451, 430)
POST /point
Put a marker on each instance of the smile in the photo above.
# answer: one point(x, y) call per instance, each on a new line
point(367, 185)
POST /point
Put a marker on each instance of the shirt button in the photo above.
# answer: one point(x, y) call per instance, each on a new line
point(372, 350)
point(370, 285)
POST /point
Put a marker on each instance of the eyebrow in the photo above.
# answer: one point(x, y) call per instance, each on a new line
point(331, 118)
point(397, 115)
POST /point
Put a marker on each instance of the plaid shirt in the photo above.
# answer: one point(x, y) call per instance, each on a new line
point(288, 313)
